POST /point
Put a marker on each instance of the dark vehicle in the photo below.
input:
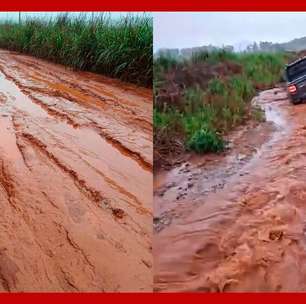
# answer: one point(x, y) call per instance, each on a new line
point(295, 73)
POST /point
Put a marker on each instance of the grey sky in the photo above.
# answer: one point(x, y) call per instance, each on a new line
point(179, 30)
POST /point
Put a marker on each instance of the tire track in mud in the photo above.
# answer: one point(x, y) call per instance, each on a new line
point(68, 90)
point(9, 184)
point(103, 132)
point(78, 209)
point(94, 195)
point(249, 235)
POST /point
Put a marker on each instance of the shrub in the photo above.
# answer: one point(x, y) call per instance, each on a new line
point(205, 140)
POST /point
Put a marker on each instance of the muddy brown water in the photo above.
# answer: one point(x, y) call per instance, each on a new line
point(248, 234)
point(75, 178)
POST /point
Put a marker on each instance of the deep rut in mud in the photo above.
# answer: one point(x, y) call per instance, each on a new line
point(248, 234)
point(75, 179)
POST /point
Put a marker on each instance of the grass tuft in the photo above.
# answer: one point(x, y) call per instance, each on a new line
point(205, 140)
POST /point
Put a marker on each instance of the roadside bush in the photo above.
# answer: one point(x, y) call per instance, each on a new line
point(205, 140)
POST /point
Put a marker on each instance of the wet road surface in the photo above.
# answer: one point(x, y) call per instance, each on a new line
point(248, 234)
point(75, 179)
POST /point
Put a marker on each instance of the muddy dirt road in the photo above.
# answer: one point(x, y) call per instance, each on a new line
point(75, 180)
point(243, 229)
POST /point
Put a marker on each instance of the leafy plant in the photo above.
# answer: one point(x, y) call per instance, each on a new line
point(205, 140)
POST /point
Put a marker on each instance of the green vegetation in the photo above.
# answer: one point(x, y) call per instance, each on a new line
point(120, 48)
point(205, 140)
point(200, 99)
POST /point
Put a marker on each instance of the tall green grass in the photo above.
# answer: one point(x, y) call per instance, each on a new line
point(205, 113)
point(120, 48)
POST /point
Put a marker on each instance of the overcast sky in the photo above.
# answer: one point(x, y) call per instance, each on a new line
point(179, 30)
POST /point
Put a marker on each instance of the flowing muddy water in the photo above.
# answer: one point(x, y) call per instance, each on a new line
point(75, 178)
point(243, 229)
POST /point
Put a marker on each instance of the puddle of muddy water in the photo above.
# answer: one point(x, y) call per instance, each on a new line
point(21, 101)
point(8, 139)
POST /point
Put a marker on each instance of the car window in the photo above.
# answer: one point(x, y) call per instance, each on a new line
point(296, 71)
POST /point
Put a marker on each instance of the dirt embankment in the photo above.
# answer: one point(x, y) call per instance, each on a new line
point(243, 227)
point(75, 179)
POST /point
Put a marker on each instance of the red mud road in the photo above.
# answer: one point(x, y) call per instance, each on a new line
point(75, 180)
point(250, 233)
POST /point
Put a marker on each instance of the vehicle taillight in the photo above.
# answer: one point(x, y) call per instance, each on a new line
point(292, 89)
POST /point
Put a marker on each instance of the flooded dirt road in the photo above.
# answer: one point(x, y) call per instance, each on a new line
point(75, 179)
point(243, 228)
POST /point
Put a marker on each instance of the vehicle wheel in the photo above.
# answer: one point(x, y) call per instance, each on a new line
point(295, 102)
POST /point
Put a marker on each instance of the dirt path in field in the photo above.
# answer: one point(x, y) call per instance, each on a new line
point(242, 228)
point(75, 180)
